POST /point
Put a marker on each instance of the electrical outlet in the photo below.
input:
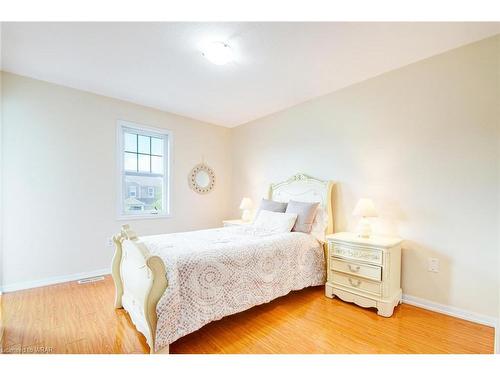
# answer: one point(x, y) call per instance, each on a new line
point(110, 242)
point(433, 265)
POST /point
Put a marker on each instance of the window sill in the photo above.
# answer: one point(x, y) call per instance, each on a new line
point(142, 217)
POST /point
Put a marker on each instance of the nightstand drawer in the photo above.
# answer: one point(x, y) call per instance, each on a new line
point(357, 283)
point(358, 253)
point(363, 270)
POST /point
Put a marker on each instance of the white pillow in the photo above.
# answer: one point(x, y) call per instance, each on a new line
point(275, 222)
point(320, 224)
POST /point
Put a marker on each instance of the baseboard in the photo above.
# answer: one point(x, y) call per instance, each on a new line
point(451, 310)
point(54, 280)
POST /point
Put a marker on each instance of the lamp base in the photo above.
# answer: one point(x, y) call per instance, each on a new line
point(247, 215)
point(364, 229)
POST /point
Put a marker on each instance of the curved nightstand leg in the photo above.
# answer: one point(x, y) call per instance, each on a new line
point(329, 291)
point(385, 309)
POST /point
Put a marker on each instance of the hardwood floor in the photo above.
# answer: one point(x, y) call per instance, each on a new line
point(73, 318)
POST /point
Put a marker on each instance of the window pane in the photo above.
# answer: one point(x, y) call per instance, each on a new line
point(144, 144)
point(130, 142)
point(132, 191)
point(157, 164)
point(148, 197)
point(130, 162)
point(157, 146)
point(144, 163)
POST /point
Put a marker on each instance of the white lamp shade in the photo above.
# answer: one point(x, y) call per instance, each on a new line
point(246, 204)
point(365, 208)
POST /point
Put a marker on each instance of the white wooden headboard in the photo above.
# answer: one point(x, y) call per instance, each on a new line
point(304, 188)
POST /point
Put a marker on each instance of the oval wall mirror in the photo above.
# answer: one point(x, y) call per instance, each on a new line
point(202, 179)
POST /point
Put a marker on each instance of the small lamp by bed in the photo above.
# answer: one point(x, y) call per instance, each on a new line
point(246, 206)
point(364, 209)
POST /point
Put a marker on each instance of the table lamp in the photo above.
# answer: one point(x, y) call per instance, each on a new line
point(364, 209)
point(246, 206)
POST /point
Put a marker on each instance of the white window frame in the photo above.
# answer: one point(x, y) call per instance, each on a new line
point(167, 172)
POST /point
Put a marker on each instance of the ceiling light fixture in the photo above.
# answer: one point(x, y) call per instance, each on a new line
point(218, 53)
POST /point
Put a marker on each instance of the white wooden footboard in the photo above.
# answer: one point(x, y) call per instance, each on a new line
point(140, 281)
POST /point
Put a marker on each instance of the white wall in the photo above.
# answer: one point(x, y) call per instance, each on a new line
point(422, 142)
point(60, 178)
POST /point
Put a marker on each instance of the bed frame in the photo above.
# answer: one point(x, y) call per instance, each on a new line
point(140, 278)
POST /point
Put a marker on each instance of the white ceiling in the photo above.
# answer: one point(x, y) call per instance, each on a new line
point(277, 64)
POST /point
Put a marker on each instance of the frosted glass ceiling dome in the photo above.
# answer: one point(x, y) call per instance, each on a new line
point(218, 53)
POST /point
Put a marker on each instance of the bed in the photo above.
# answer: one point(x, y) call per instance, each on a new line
point(173, 284)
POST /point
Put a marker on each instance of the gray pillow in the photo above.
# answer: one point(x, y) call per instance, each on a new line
point(306, 212)
point(269, 205)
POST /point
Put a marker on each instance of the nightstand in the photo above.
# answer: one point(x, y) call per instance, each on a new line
point(236, 222)
point(366, 271)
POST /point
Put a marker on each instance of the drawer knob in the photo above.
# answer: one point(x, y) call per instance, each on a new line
point(353, 268)
point(354, 283)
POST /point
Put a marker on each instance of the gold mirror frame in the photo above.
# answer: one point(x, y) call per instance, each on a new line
point(192, 179)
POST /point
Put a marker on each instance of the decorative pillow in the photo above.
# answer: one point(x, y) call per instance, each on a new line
point(320, 224)
point(275, 222)
point(306, 212)
point(269, 205)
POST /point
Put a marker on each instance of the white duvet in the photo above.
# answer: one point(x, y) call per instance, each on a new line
point(218, 272)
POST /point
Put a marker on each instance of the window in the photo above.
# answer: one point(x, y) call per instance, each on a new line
point(132, 191)
point(144, 167)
